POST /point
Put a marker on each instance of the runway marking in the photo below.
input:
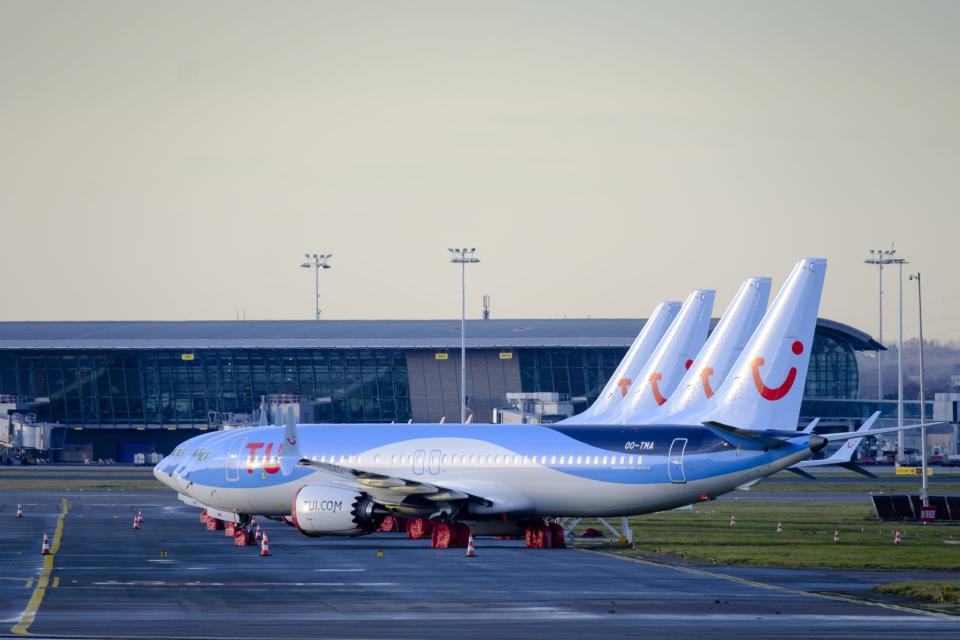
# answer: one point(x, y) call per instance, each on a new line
point(30, 613)
point(771, 587)
point(29, 583)
point(340, 570)
point(56, 582)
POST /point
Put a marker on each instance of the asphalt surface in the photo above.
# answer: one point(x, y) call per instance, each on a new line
point(108, 580)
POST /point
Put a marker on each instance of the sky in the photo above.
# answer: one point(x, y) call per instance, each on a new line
point(175, 160)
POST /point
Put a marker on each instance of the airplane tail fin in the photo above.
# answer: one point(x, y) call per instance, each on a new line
point(291, 454)
point(711, 366)
point(637, 356)
point(766, 384)
point(672, 357)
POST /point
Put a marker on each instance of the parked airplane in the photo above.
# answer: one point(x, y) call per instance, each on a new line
point(631, 364)
point(344, 479)
point(662, 372)
point(706, 373)
point(842, 457)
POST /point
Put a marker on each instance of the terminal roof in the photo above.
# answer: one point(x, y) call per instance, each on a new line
point(347, 334)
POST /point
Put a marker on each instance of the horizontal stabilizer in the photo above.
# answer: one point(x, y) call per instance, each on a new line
point(853, 466)
point(802, 473)
point(749, 439)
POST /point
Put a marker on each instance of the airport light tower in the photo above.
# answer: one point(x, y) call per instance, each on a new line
point(463, 257)
point(316, 262)
point(880, 257)
point(924, 492)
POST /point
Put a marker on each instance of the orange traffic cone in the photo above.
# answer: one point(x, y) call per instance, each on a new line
point(45, 547)
point(259, 535)
point(779, 526)
point(471, 552)
point(733, 520)
point(264, 545)
point(896, 537)
point(836, 535)
point(19, 511)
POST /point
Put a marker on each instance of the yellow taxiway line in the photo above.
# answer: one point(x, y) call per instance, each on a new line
point(30, 613)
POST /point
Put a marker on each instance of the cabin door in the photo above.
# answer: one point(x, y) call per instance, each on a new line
point(675, 460)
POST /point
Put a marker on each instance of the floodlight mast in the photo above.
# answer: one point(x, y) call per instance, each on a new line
point(316, 262)
point(881, 257)
point(463, 257)
point(924, 488)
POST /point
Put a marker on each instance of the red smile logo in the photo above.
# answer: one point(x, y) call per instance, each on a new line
point(705, 374)
point(654, 378)
point(624, 384)
point(775, 393)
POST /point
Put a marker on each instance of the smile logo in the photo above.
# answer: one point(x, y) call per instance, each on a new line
point(705, 374)
point(775, 393)
point(654, 379)
point(292, 440)
point(850, 444)
point(624, 384)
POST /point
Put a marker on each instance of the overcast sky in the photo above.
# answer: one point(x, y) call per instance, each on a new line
point(173, 160)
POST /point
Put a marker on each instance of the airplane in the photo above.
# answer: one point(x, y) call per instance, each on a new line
point(626, 372)
point(662, 372)
point(706, 373)
point(842, 457)
point(342, 480)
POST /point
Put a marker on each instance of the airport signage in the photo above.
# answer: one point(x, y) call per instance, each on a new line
point(913, 471)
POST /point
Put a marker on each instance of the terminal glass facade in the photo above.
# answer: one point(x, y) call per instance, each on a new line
point(576, 372)
point(160, 388)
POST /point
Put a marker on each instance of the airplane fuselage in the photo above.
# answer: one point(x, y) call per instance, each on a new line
point(517, 470)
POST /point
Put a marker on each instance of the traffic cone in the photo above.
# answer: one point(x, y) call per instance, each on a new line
point(136, 521)
point(259, 534)
point(779, 526)
point(836, 535)
point(733, 520)
point(896, 537)
point(140, 516)
point(19, 511)
point(45, 547)
point(471, 552)
point(264, 545)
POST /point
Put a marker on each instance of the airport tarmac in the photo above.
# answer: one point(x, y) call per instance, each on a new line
point(108, 580)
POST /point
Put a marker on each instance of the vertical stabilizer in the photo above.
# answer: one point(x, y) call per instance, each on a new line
point(711, 366)
point(765, 386)
point(625, 375)
point(672, 357)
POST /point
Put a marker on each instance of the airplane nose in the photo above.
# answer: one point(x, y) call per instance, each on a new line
point(817, 443)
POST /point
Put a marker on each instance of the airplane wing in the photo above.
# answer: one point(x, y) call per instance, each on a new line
point(391, 490)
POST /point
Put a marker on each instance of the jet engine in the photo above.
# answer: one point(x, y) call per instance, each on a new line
point(333, 510)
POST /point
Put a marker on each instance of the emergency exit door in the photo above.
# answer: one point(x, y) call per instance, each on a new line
point(675, 460)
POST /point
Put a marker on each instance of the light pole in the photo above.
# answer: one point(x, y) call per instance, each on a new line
point(900, 262)
point(463, 257)
point(316, 262)
point(924, 497)
point(880, 257)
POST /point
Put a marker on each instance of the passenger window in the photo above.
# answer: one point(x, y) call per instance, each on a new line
point(553, 459)
point(543, 459)
point(579, 458)
point(443, 460)
point(376, 459)
point(496, 460)
point(604, 460)
point(489, 459)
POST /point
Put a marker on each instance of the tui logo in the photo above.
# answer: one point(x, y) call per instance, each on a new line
point(775, 393)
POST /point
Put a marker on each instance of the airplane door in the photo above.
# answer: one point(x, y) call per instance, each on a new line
point(434, 466)
point(675, 460)
point(419, 462)
point(233, 459)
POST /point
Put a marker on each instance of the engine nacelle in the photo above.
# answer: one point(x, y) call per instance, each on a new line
point(330, 509)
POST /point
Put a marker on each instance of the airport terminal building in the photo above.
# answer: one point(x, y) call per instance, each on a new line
point(153, 384)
